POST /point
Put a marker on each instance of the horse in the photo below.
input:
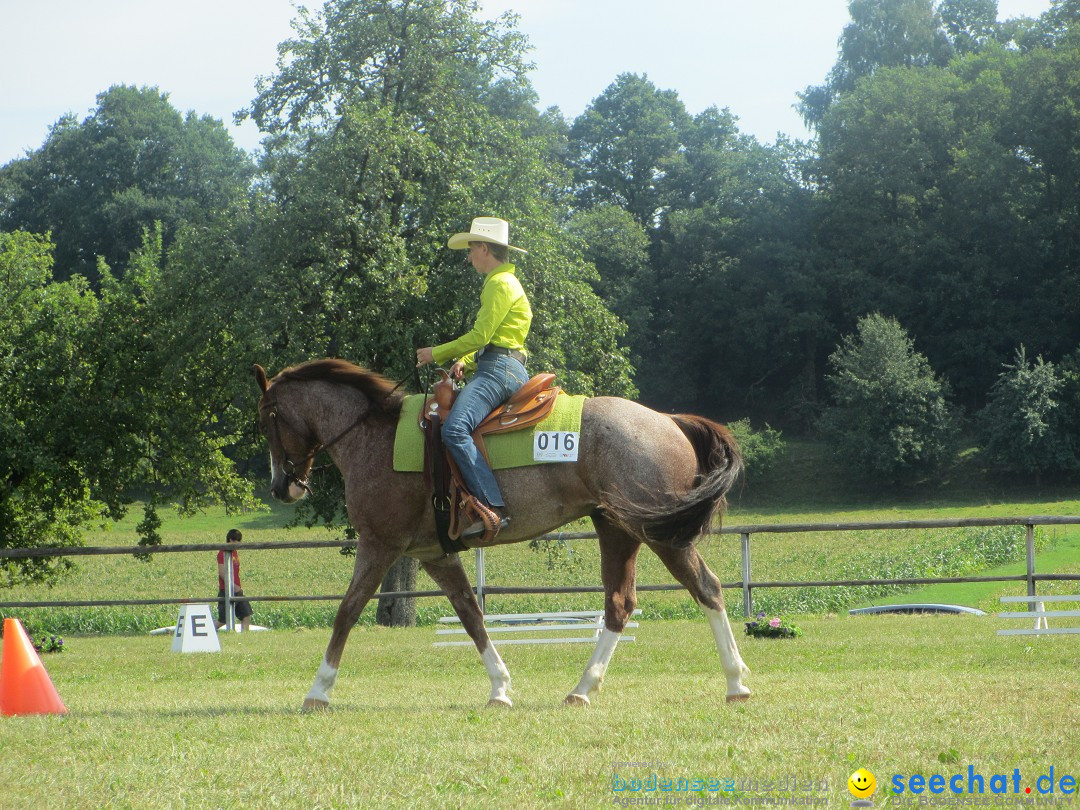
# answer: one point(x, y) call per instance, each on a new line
point(643, 477)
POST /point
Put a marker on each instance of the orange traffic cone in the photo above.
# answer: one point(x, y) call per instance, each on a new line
point(25, 686)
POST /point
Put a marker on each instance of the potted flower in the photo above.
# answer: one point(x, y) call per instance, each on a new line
point(764, 627)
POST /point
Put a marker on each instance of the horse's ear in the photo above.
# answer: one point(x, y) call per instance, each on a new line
point(260, 377)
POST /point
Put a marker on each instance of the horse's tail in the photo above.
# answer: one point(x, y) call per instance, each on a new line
point(683, 518)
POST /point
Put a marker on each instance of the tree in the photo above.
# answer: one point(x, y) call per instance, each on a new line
point(889, 417)
point(882, 33)
point(44, 384)
point(618, 247)
point(969, 24)
point(99, 400)
point(950, 202)
point(1025, 427)
point(623, 145)
point(740, 308)
point(97, 185)
point(389, 126)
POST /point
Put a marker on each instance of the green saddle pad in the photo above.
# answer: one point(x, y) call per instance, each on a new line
point(514, 449)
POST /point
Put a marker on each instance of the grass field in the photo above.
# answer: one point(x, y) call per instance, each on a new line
point(899, 695)
point(894, 694)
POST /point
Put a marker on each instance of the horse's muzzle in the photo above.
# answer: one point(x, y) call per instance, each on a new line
point(287, 487)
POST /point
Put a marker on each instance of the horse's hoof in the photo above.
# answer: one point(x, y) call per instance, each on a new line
point(576, 700)
point(738, 698)
point(500, 703)
point(313, 705)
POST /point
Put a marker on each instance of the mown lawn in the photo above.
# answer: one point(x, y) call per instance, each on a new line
point(899, 695)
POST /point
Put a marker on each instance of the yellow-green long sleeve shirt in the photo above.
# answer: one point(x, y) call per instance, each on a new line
point(504, 319)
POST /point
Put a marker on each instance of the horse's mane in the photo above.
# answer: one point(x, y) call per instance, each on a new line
point(382, 393)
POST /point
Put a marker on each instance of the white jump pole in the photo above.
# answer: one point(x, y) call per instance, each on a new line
point(480, 577)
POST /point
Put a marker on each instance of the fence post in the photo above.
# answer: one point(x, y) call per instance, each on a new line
point(480, 577)
point(1030, 538)
point(747, 599)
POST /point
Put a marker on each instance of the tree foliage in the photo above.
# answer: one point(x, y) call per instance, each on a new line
point(883, 34)
point(888, 417)
point(390, 125)
point(1024, 423)
point(99, 399)
point(668, 252)
point(96, 185)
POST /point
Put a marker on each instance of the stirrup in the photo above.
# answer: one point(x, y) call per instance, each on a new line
point(489, 524)
point(480, 529)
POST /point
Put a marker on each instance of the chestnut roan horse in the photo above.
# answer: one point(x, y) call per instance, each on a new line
point(642, 476)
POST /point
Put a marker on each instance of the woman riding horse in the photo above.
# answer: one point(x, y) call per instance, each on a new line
point(493, 351)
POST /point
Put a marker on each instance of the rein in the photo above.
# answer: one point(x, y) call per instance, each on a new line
point(288, 467)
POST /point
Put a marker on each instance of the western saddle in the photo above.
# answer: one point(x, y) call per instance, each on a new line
point(455, 507)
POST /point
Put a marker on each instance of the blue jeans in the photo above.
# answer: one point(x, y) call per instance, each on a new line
point(497, 378)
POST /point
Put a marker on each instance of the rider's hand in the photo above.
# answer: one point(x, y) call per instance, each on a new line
point(424, 356)
point(457, 371)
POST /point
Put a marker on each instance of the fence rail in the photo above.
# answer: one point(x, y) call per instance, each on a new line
point(747, 584)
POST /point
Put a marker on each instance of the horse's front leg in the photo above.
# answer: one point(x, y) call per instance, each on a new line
point(372, 563)
point(451, 577)
point(618, 566)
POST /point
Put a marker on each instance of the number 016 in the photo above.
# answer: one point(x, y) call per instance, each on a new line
point(555, 446)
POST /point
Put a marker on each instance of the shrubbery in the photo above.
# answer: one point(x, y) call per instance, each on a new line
point(889, 417)
point(954, 553)
point(760, 449)
point(1026, 423)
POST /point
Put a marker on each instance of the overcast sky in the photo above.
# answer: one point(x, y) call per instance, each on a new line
point(751, 56)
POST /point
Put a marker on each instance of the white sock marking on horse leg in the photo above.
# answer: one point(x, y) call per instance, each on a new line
point(324, 682)
point(734, 668)
point(593, 677)
point(499, 674)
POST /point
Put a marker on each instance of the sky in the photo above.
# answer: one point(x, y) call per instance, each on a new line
point(751, 56)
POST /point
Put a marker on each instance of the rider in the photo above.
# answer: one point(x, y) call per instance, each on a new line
point(493, 352)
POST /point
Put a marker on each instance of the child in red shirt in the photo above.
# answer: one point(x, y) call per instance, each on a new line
point(241, 607)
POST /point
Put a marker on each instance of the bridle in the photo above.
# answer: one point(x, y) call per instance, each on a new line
point(287, 465)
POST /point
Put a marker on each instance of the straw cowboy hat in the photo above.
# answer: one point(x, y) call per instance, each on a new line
point(484, 229)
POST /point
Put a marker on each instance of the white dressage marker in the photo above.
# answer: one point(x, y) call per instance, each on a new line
point(195, 630)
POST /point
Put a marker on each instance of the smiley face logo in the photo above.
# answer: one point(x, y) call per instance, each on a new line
point(862, 784)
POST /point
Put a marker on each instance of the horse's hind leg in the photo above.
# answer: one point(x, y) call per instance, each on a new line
point(372, 563)
point(618, 558)
point(451, 577)
point(687, 567)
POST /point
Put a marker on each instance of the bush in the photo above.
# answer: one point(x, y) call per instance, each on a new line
point(760, 449)
point(889, 417)
point(1024, 425)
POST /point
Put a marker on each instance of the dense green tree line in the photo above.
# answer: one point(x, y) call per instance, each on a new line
point(146, 262)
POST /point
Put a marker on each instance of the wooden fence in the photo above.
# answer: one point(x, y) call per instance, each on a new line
point(747, 584)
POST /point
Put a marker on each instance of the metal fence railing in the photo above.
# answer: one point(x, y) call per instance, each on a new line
point(746, 585)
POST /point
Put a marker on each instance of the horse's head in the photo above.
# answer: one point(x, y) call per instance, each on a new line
point(292, 447)
point(300, 421)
